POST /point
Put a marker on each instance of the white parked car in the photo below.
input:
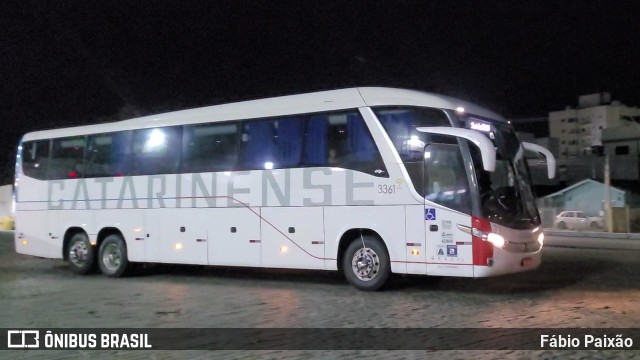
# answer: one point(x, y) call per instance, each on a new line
point(577, 220)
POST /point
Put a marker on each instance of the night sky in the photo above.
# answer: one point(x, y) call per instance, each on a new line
point(65, 63)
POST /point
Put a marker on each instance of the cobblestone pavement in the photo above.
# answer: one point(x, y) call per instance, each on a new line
point(572, 288)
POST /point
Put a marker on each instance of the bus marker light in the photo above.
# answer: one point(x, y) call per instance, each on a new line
point(24, 242)
point(527, 262)
point(177, 246)
point(415, 252)
point(283, 249)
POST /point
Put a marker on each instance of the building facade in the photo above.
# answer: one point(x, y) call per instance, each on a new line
point(579, 130)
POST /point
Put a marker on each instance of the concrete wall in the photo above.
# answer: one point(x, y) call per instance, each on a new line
point(6, 200)
point(626, 219)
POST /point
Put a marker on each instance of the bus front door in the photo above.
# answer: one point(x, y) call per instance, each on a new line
point(447, 212)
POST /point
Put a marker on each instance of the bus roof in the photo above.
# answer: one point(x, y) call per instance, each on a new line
point(277, 106)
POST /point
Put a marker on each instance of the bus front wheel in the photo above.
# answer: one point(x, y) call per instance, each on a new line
point(366, 263)
point(112, 257)
point(81, 254)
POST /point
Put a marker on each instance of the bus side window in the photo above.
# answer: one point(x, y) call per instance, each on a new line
point(210, 147)
point(446, 181)
point(327, 139)
point(315, 146)
point(35, 159)
point(108, 154)
point(67, 158)
point(350, 144)
point(272, 143)
point(157, 150)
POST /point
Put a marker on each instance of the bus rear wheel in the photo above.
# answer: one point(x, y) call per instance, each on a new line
point(81, 254)
point(366, 264)
point(112, 257)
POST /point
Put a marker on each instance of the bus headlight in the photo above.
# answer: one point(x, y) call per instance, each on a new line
point(541, 238)
point(496, 239)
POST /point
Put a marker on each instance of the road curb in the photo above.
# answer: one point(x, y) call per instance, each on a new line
point(593, 234)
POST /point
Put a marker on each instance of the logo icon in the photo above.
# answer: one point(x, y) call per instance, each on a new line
point(430, 213)
point(452, 250)
point(22, 339)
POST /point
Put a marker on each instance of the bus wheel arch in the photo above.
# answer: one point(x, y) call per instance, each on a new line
point(78, 251)
point(112, 253)
point(351, 246)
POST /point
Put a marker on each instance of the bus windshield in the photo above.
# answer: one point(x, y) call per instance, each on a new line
point(506, 196)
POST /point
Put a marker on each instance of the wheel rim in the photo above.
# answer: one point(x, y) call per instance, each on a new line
point(78, 253)
point(365, 264)
point(111, 257)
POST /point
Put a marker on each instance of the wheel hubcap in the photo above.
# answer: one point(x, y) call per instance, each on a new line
point(111, 257)
point(78, 253)
point(365, 264)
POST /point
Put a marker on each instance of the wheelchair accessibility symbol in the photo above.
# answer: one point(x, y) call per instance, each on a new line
point(430, 214)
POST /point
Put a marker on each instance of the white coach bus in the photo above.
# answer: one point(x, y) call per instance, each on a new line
point(367, 181)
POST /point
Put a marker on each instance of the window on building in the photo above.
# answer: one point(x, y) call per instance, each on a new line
point(622, 150)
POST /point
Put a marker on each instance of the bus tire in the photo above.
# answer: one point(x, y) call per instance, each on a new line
point(112, 257)
point(366, 268)
point(81, 254)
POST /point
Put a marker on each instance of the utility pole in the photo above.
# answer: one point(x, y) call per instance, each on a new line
point(607, 195)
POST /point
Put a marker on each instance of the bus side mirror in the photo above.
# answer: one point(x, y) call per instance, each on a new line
point(551, 160)
point(487, 150)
